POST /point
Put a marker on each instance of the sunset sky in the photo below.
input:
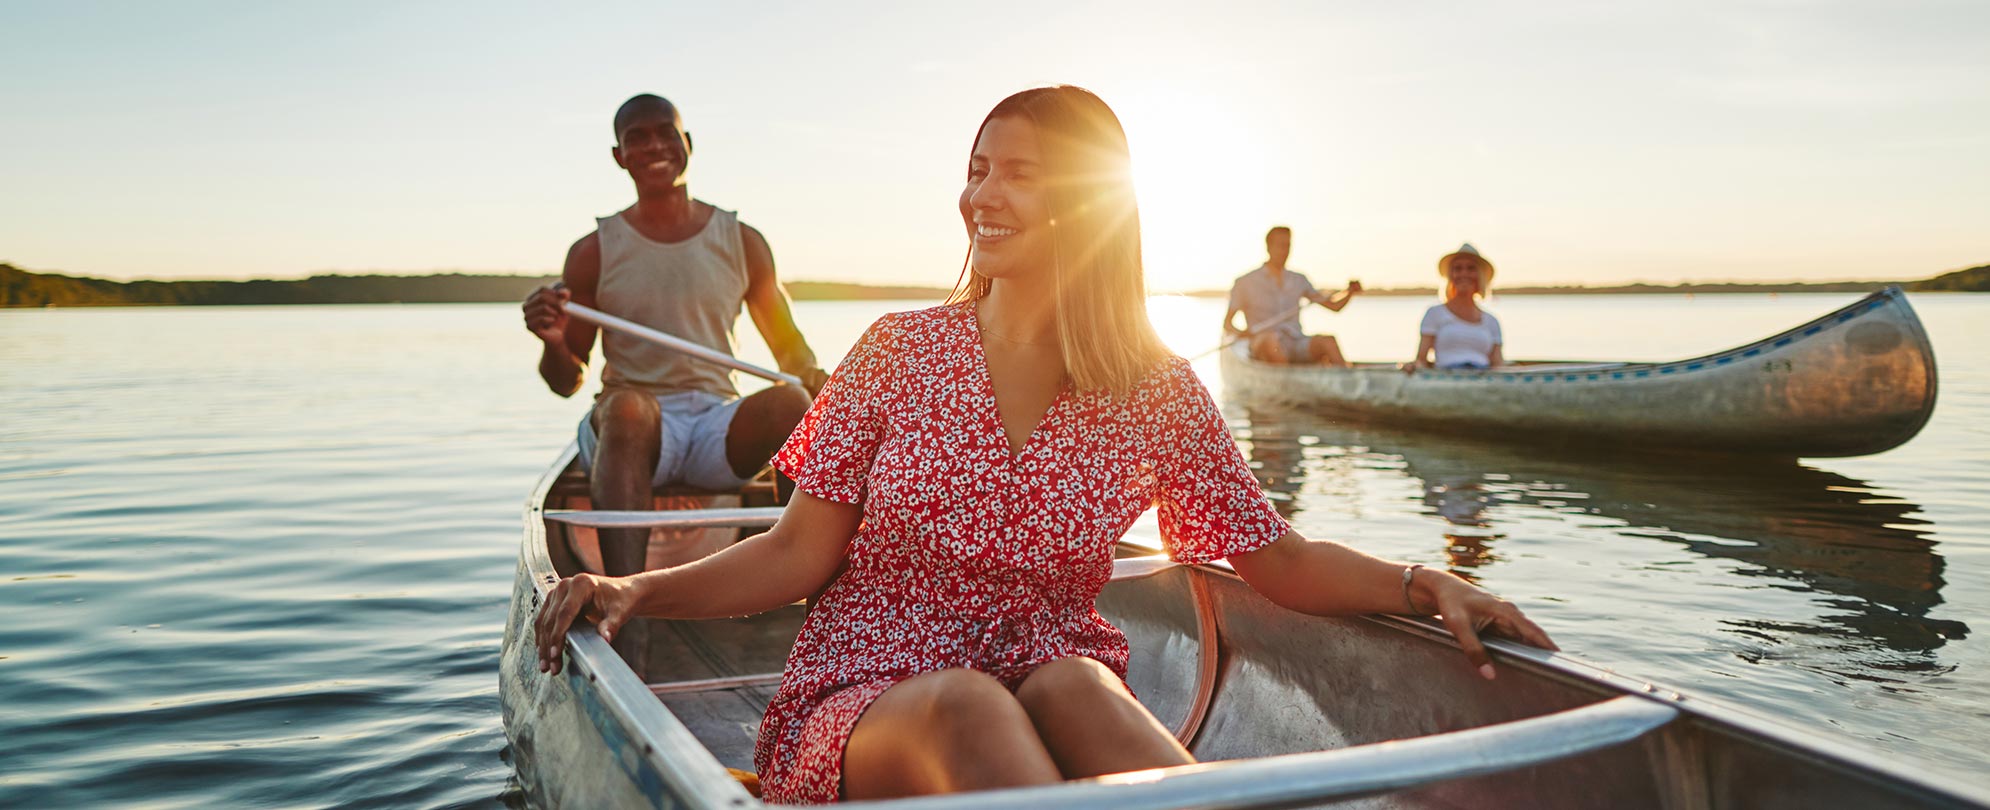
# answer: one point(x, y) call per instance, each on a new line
point(1573, 142)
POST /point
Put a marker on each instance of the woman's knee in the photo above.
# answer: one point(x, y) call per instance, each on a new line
point(963, 698)
point(955, 729)
point(953, 712)
point(1068, 682)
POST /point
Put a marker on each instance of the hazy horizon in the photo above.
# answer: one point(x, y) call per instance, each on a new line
point(1576, 144)
point(1217, 285)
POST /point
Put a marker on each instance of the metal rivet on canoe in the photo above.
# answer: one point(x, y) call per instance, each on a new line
point(1650, 688)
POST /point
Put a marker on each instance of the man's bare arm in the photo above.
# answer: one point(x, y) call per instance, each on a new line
point(1230, 322)
point(1334, 302)
point(767, 302)
point(567, 342)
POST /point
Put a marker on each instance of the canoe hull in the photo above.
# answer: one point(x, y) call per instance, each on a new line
point(1858, 381)
point(597, 736)
point(593, 735)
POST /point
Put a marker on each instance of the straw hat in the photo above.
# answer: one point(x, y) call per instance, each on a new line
point(1467, 250)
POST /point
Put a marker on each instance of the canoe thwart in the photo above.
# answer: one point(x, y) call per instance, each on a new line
point(716, 684)
point(1126, 568)
point(752, 517)
point(1297, 779)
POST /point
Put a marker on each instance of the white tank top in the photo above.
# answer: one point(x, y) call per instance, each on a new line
point(692, 289)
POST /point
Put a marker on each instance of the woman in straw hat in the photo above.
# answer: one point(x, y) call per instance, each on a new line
point(962, 481)
point(1458, 332)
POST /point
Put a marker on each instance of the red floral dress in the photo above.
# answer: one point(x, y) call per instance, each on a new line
point(968, 555)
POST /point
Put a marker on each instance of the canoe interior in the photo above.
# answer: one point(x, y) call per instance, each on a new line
point(1288, 683)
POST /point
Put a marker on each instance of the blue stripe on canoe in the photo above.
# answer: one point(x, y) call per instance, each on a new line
point(1724, 361)
point(1752, 352)
point(1667, 370)
point(1782, 342)
point(1812, 331)
point(1595, 376)
point(1695, 366)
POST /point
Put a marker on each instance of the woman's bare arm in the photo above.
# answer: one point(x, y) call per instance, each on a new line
point(1424, 346)
point(792, 561)
point(1324, 578)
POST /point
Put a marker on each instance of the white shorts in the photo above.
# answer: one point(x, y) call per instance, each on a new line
point(694, 427)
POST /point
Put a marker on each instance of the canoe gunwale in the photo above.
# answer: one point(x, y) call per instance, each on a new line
point(687, 767)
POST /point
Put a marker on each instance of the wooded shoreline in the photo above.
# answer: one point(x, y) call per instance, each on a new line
point(22, 288)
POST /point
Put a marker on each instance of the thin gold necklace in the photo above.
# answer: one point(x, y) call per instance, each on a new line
point(1006, 339)
point(984, 329)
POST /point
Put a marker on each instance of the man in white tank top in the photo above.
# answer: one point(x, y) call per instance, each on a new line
point(680, 265)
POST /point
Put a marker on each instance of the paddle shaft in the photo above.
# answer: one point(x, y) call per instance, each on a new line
point(670, 341)
point(1293, 313)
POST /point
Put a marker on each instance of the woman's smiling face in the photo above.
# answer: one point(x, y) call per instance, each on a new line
point(1006, 203)
point(1464, 275)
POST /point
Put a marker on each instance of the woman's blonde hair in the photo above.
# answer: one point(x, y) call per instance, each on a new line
point(1102, 327)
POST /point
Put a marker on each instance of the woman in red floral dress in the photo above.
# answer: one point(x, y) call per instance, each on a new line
point(961, 483)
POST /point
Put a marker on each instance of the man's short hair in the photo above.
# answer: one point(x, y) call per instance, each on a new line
point(639, 103)
point(1276, 230)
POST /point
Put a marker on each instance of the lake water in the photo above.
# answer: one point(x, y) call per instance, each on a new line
point(261, 556)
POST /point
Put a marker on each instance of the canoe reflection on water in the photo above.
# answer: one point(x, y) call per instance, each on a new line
point(1865, 554)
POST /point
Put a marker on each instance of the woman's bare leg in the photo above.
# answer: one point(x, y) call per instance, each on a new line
point(941, 732)
point(1091, 724)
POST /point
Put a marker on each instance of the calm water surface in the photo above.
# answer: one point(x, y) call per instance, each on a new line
point(261, 556)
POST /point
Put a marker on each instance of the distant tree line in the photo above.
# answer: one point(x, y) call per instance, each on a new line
point(1975, 279)
point(20, 288)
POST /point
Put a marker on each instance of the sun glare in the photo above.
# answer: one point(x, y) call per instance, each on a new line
point(1202, 190)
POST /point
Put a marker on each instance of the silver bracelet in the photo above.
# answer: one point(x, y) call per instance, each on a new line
point(1409, 572)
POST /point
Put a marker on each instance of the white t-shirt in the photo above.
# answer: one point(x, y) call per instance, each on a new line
point(1461, 342)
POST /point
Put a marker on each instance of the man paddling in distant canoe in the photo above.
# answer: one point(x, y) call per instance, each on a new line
point(1270, 297)
point(683, 266)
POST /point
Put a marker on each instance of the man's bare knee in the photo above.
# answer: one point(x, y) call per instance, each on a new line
point(1267, 348)
point(624, 411)
point(761, 426)
point(783, 406)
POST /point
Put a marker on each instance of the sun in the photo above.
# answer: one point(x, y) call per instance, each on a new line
point(1201, 183)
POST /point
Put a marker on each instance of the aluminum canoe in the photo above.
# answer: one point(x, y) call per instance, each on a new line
point(1285, 710)
point(1857, 381)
